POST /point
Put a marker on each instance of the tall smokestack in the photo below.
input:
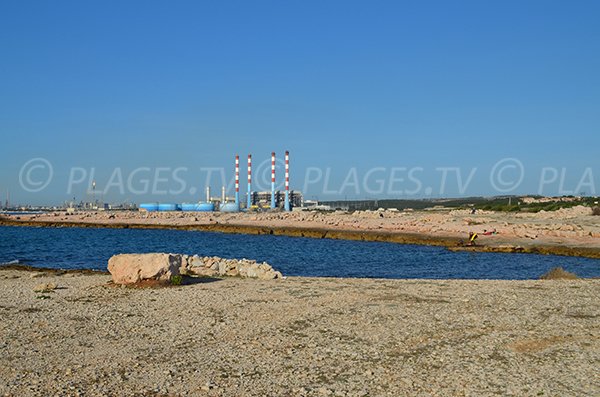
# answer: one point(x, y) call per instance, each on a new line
point(249, 203)
point(237, 180)
point(287, 181)
point(208, 194)
point(272, 180)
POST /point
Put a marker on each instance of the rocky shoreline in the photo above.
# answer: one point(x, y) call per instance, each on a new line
point(298, 336)
point(569, 233)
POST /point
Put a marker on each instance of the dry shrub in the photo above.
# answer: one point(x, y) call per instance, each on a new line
point(596, 210)
point(558, 273)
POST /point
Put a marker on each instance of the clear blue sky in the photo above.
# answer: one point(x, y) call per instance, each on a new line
point(341, 85)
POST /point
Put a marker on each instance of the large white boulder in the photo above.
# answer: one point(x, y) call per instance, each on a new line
point(133, 268)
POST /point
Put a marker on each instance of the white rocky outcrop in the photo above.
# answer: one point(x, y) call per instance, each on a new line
point(134, 268)
point(211, 266)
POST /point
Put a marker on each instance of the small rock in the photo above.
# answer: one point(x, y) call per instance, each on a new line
point(270, 275)
point(203, 272)
point(251, 272)
point(208, 386)
point(196, 261)
point(223, 268)
point(49, 287)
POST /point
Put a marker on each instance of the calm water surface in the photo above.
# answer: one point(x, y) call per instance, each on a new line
point(86, 248)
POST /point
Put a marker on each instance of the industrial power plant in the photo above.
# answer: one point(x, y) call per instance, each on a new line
point(255, 201)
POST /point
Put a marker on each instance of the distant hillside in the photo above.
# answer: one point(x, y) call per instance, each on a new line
point(505, 203)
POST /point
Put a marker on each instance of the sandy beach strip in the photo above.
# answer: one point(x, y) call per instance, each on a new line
point(298, 337)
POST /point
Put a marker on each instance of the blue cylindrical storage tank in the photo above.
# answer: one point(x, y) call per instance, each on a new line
point(206, 207)
point(200, 207)
point(189, 207)
point(150, 207)
point(230, 207)
point(167, 207)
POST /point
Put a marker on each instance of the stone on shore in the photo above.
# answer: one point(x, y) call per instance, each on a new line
point(215, 266)
point(195, 261)
point(47, 287)
point(202, 272)
point(134, 268)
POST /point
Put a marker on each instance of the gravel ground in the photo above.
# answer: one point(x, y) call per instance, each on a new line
point(299, 336)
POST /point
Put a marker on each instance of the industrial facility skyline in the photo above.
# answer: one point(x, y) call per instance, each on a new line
point(397, 100)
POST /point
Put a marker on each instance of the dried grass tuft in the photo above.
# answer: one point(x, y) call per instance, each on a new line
point(558, 273)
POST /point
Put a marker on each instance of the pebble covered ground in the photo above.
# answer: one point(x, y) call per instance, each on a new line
point(298, 337)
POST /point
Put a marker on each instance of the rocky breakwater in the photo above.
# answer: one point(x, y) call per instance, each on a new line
point(213, 266)
point(161, 268)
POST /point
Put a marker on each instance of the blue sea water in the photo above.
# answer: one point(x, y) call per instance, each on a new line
point(89, 248)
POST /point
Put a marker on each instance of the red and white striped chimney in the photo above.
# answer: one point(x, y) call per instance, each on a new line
point(287, 181)
point(272, 180)
point(249, 198)
point(237, 180)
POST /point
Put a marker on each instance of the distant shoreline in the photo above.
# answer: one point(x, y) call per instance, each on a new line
point(450, 242)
